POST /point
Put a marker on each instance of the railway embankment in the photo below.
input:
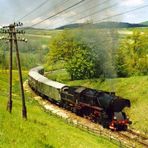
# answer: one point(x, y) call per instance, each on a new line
point(125, 139)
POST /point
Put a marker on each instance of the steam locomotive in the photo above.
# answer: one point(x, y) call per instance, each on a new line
point(99, 106)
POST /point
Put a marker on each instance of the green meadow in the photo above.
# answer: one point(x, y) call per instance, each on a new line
point(41, 129)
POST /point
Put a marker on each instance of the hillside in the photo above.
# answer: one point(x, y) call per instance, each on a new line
point(145, 23)
point(103, 25)
point(133, 88)
point(41, 129)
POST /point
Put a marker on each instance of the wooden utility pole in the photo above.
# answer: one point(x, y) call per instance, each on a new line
point(24, 112)
point(9, 104)
point(11, 30)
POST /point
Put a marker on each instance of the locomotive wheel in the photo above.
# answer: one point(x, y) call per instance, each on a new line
point(105, 124)
point(125, 127)
point(74, 110)
point(122, 127)
point(61, 103)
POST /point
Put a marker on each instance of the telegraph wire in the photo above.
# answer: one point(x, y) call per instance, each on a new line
point(98, 11)
point(81, 5)
point(35, 9)
point(58, 13)
point(94, 13)
point(122, 13)
point(119, 14)
point(63, 3)
point(57, 5)
point(95, 6)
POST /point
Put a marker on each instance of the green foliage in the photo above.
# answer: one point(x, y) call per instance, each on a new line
point(3, 57)
point(86, 53)
point(132, 56)
point(32, 53)
point(41, 129)
point(75, 53)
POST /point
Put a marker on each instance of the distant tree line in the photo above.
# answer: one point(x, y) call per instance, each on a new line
point(31, 53)
point(96, 53)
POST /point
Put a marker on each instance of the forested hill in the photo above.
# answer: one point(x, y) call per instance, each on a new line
point(105, 25)
point(145, 23)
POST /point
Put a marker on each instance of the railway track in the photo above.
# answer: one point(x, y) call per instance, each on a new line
point(128, 138)
point(135, 136)
point(142, 136)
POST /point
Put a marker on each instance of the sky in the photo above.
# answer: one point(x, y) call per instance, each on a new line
point(88, 10)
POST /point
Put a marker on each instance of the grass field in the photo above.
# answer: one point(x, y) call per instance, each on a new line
point(41, 130)
point(133, 88)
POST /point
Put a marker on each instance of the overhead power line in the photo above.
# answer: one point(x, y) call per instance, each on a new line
point(58, 13)
point(32, 11)
point(84, 11)
point(122, 13)
point(119, 14)
point(56, 6)
point(98, 11)
point(94, 13)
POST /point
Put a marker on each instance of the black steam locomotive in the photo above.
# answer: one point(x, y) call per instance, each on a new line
point(102, 107)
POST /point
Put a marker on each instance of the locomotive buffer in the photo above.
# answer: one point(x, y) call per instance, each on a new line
point(12, 39)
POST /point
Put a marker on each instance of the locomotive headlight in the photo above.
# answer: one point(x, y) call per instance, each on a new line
point(115, 118)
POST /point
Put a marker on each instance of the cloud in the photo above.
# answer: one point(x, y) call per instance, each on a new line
point(132, 2)
point(36, 20)
point(51, 23)
point(56, 21)
point(130, 16)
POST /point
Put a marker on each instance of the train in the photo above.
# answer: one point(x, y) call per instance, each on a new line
point(99, 106)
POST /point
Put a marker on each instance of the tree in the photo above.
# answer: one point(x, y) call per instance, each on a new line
point(3, 60)
point(86, 53)
point(132, 57)
point(74, 52)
